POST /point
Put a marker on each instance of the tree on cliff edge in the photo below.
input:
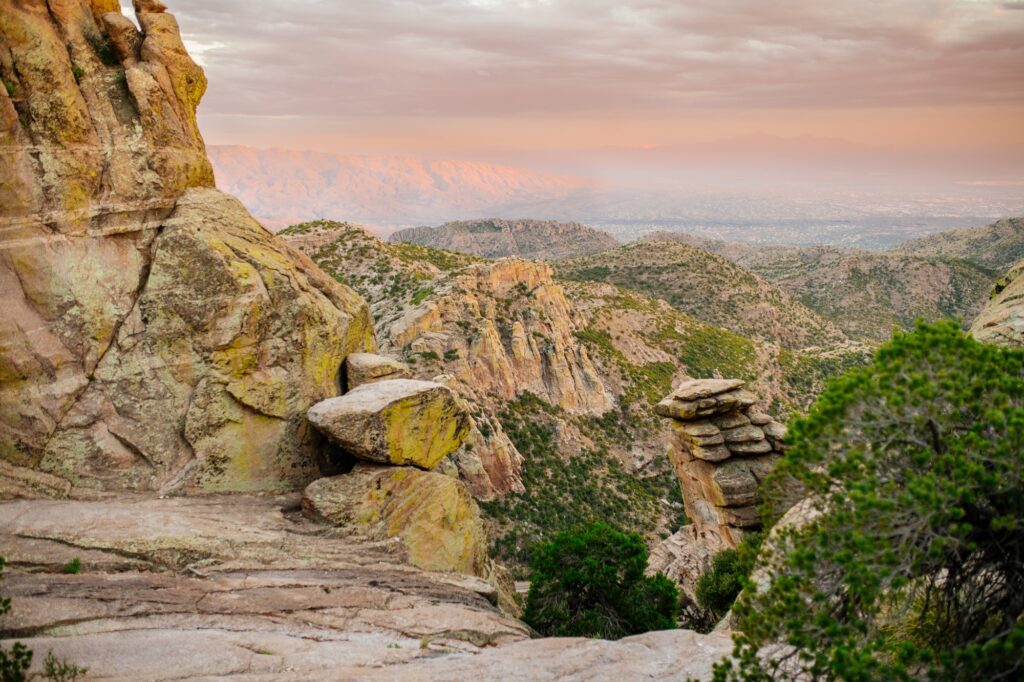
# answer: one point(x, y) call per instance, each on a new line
point(915, 567)
point(590, 582)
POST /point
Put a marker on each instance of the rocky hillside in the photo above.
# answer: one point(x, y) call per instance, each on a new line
point(282, 186)
point(496, 238)
point(865, 293)
point(997, 246)
point(708, 287)
point(561, 377)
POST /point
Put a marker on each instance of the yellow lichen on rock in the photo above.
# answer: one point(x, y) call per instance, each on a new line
point(434, 515)
point(397, 421)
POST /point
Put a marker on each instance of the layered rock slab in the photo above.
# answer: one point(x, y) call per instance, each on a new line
point(245, 585)
point(400, 422)
point(434, 515)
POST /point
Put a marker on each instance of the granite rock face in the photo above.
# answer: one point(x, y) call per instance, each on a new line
point(154, 336)
point(1002, 320)
point(400, 422)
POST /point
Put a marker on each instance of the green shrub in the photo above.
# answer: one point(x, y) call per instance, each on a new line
point(590, 582)
point(718, 588)
point(913, 569)
point(59, 670)
point(73, 566)
point(14, 662)
point(78, 72)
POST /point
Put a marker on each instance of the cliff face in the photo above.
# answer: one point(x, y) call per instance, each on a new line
point(155, 336)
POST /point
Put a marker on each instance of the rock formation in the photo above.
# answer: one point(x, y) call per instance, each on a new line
point(721, 451)
point(508, 328)
point(154, 336)
point(1002, 320)
point(400, 422)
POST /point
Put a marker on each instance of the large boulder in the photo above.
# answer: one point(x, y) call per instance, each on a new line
point(401, 422)
point(434, 515)
point(154, 335)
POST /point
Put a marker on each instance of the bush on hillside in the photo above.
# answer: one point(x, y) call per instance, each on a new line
point(590, 582)
point(719, 586)
point(915, 567)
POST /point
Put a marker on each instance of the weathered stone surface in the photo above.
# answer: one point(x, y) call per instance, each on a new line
point(759, 447)
point(697, 389)
point(1002, 320)
point(743, 434)
point(366, 368)
point(710, 453)
point(700, 427)
point(433, 514)
point(400, 421)
point(759, 419)
point(659, 655)
point(228, 586)
point(685, 555)
point(732, 420)
point(154, 336)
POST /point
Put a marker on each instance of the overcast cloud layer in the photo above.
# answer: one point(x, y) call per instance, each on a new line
point(616, 58)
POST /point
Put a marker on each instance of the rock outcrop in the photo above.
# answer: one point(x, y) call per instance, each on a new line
point(400, 422)
point(721, 451)
point(507, 328)
point(1002, 320)
point(154, 336)
point(433, 514)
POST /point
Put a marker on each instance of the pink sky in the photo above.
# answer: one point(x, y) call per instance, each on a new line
point(472, 77)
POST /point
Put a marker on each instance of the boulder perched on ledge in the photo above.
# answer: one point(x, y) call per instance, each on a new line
point(401, 422)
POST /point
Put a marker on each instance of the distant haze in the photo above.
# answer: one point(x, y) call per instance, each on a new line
point(916, 100)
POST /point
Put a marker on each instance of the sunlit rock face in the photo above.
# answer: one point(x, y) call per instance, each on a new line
point(154, 335)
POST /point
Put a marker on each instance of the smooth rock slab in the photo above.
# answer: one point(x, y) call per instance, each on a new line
point(401, 422)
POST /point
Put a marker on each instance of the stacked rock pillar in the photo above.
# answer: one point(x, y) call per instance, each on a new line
point(721, 451)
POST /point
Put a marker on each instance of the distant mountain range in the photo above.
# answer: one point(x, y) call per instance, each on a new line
point(282, 187)
point(497, 238)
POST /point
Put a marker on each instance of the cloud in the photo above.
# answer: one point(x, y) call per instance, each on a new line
point(437, 58)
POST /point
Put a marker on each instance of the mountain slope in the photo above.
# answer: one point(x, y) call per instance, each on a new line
point(997, 246)
point(282, 187)
point(496, 238)
point(709, 287)
point(865, 293)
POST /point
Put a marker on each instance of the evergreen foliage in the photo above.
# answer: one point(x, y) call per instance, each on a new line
point(590, 582)
point(913, 567)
